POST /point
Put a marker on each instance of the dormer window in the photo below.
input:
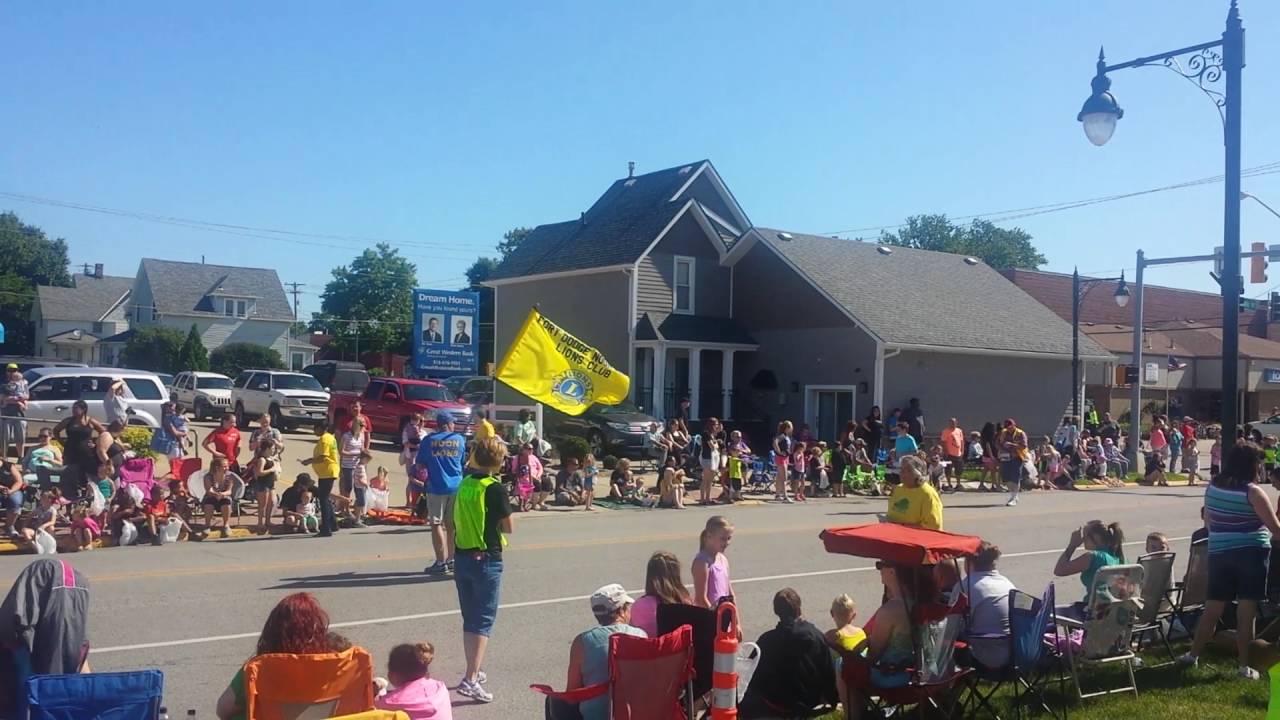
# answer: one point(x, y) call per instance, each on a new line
point(237, 307)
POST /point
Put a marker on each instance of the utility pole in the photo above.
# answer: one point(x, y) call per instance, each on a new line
point(288, 350)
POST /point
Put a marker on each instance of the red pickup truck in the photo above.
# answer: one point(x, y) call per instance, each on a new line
point(390, 402)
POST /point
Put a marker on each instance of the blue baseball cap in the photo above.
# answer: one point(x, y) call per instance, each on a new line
point(444, 417)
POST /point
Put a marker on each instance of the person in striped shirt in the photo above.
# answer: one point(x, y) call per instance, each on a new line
point(1240, 520)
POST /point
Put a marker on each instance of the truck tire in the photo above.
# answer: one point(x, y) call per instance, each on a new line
point(277, 420)
point(200, 409)
point(242, 421)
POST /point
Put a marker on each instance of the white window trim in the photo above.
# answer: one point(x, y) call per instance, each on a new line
point(675, 279)
point(233, 304)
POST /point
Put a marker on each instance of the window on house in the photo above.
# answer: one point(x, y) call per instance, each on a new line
point(236, 308)
point(684, 285)
point(97, 327)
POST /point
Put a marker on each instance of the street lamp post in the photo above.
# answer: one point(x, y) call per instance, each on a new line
point(1206, 64)
point(1079, 289)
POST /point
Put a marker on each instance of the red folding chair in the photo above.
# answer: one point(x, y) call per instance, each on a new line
point(649, 678)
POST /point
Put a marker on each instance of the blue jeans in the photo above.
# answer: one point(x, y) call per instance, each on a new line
point(478, 578)
point(14, 500)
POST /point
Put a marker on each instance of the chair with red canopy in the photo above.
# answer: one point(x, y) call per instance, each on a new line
point(933, 675)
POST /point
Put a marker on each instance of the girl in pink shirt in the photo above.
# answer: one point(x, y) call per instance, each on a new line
point(416, 693)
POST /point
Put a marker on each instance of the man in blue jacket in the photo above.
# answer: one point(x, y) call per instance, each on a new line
point(442, 453)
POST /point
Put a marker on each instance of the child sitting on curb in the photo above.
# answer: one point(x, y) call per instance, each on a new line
point(413, 690)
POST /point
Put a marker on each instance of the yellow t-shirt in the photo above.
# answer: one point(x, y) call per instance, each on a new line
point(852, 640)
point(916, 506)
point(484, 430)
point(735, 468)
point(324, 457)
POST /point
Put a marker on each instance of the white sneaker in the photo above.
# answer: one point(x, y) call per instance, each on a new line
point(1013, 502)
point(472, 689)
point(1188, 659)
point(1249, 673)
point(787, 499)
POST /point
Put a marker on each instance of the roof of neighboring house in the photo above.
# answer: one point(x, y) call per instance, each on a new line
point(185, 288)
point(72, 337)
point(121, 337)
point(616, 230)
point(919, 297)
point(88, 300)
point(1184, 340)
point(693, 328)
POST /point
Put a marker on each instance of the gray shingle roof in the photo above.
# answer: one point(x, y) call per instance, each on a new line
point(693, 328)
point(616, 230)
point(919, 297)
point(184, 288)
point(87, 301)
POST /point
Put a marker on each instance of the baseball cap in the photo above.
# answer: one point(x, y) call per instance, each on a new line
point(609, 599)
point(444, 417)
point(11, 366)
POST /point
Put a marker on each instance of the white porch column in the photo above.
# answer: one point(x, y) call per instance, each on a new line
point(658, 356)
point(695, 383)
point(726, 384)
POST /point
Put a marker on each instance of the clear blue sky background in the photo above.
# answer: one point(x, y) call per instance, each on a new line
point(437, 126)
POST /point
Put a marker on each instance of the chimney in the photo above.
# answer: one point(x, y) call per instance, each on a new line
point(631, 168)
point(583, 219)
point(97, 270)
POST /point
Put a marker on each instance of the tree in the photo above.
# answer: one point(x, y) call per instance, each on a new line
point(376, 289)
point(154, 348)
point(193, 355)
point(480, 271)
point(233, 358)
point(27, 258)
point(1001, 248)
point(511, 239)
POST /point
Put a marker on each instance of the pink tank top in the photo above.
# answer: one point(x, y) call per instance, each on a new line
point(717, 575)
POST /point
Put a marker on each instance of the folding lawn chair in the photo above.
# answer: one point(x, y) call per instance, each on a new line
point(118, 696)
point(702, 623)
point(1157, 612)
point(140, 473)
point(284, 686)
point(1115, 601)
point(649, 679)
point(936, 681)
point(1189, 596)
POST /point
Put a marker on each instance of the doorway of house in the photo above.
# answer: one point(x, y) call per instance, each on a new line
point(827, 409)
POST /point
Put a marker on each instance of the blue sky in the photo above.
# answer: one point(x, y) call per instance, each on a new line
point(438, 126)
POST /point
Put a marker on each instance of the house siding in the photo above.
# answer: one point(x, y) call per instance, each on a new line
point(216, 332)
point(704, 191)
point(593, 307)
point(655, 280)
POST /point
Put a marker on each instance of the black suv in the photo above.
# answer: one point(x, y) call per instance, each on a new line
point(338, 376)
point(617, 430)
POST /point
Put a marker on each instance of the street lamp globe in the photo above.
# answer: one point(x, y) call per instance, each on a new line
point(1100, 112)
point(1122, 292)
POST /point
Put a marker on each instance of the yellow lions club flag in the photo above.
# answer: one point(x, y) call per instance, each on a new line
point(557, 369)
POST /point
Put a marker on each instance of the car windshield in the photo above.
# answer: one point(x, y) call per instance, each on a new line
point(621, 408)
point(455, 383)
point(297, 382)
point(428, 393)
point(212, 383)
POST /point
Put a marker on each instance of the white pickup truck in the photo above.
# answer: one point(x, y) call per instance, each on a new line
point(291, 399)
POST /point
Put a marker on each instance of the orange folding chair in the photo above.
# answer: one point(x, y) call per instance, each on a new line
point(649, 679)
point(286, 687)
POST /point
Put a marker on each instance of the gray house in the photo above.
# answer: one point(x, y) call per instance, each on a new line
point(667, 276)
point(71, 322)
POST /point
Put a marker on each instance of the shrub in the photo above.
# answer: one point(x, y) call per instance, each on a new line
point(377, 372)
point(609, 462)
point(573, 447)
point(139, 439)
point(154, 348)
point(233, 358)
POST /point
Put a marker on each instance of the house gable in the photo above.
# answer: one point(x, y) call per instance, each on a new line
point(691, 239)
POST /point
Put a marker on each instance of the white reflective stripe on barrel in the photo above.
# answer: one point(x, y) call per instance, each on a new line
point(725, 663)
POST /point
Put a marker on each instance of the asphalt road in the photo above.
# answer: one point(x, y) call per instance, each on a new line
point(194, 610)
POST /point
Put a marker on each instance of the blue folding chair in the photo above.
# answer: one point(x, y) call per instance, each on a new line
point(1035, 660)
point(96, 696)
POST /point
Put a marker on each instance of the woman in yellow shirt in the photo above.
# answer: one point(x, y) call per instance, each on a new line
point(914, 501)
point(324, 461)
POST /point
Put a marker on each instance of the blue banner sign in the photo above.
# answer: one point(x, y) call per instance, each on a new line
point(1271, 375)
point(445, 332)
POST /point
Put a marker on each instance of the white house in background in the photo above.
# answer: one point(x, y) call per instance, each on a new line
point(70, 322)
point(226, 304)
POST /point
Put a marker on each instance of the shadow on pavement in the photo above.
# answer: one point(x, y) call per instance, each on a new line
point(358, 580)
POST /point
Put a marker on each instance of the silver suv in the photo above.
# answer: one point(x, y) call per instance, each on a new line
point(54, 389)
point(290, 398)
point(205, 394)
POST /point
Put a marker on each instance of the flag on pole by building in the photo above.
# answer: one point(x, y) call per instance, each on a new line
point(553, 367)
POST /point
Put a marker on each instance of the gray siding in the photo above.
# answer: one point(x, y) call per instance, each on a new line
point(704, 191)
point(656, 278)
point(139, 306)
point(978, 388)
point(593, 307)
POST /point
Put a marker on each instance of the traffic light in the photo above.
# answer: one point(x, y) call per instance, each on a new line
point(1273, 308)
point(1258, 264)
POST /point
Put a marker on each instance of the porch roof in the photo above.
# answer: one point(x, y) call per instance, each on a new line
point(73, 337)
point(693, 329)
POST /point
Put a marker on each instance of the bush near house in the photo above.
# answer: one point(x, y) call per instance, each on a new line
point(139, 440)
point(233, 358)
point(573, 447)
point(154, 349)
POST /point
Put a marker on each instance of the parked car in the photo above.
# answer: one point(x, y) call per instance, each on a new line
point(205, 394)
point(617, 430)
point(290, 398)
point(338, 376)
point(165, 378)
point(472, 389)
point(27, 362)
point(54, 389)
point(1268, 426)
point(390, 402)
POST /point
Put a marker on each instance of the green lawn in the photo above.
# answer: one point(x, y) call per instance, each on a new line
point(1169, 692)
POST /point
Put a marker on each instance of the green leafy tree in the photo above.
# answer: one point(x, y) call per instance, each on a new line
point(193, 355)
point(1001, 248)
point(376, 290)
point(480, 271)
point(233, 358)
point(511, 239)
point(154, 348)
point(28, 258)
